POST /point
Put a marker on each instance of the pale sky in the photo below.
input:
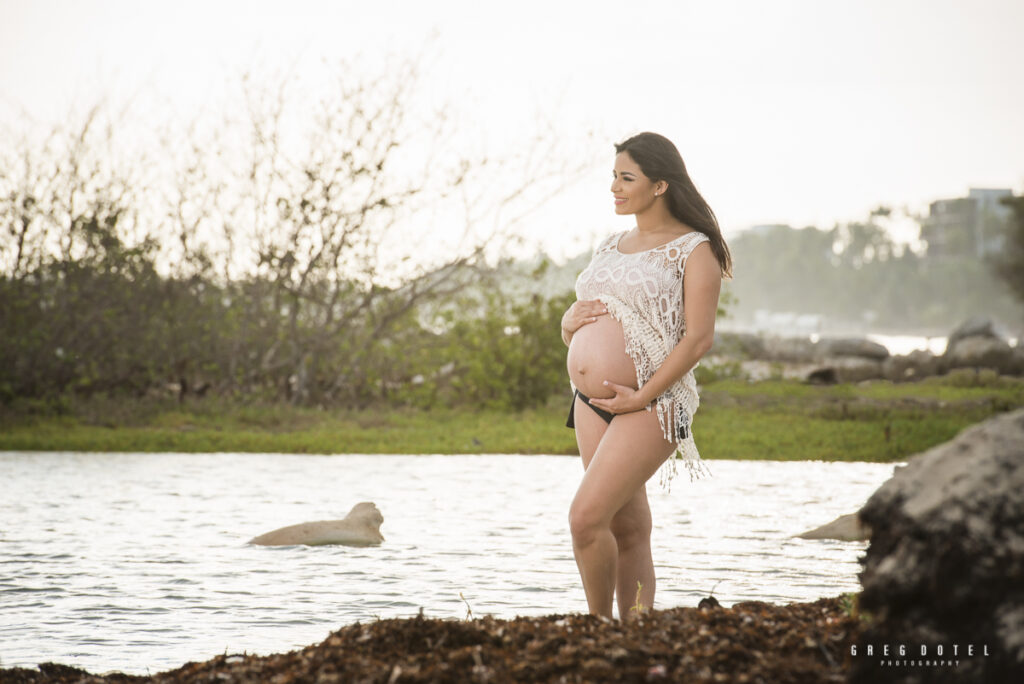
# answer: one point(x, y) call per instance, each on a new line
point(804, 112)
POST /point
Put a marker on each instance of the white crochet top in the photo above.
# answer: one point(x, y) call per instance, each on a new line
point(643, 291)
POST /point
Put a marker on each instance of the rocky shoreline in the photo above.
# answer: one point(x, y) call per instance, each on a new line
point(973, 345)
point(752, 641)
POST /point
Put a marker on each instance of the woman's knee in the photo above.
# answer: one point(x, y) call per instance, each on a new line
point(631, 534)
point(585, 521)
point(632, 525)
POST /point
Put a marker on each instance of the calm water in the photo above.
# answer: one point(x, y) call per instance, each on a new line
point(140, 562)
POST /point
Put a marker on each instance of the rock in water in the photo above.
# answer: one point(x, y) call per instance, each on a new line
point(844, 528)
point(361, 527)
point(945, 564)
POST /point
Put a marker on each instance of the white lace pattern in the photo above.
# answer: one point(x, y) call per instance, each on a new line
point(643, 291)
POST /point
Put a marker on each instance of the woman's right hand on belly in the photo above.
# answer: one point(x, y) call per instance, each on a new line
point(581, 312)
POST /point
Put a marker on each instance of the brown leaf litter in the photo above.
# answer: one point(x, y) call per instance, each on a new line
point(752, 641)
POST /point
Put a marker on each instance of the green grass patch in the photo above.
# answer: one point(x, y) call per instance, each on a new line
point(775, 419)
point(212, 425)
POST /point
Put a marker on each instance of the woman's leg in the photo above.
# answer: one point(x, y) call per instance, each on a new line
point(631, 526)
point(626, 456)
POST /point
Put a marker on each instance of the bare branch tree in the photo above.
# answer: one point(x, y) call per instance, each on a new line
point(294, 243)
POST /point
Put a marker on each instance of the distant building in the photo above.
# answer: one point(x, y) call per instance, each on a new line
point(975, 224)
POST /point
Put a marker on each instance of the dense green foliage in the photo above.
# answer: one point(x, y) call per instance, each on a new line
point(513, 356)
point(115, 326)
point(262, 271)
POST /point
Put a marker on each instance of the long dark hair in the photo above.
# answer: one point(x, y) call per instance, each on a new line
point(659, 159)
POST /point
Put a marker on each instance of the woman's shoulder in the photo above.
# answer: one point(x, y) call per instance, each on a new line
point(694, 238)
point(687, 241)
point(678, 251)
point(682, 243)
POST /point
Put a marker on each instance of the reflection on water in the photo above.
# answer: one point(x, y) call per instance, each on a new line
point(139, 562)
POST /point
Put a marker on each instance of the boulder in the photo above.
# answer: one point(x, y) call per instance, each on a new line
point(976, 326)
point(794, 349)
point(918, 364)
point(1017, 359)
point(851, 346)
point(822, 375)
point(361, 527)
point(980, 352)
point(845, 369)
point(756, 370)
point(945, 562)
point(844, 528)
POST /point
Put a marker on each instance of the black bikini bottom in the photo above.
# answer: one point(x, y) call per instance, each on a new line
point(683, 431)
point(586, 400)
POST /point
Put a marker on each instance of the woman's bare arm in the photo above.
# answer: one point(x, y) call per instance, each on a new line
point(702, 283)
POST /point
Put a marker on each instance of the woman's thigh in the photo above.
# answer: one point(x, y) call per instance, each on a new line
point(627, 454)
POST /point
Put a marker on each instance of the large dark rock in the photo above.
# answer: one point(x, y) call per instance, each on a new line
point(945, 564)
point(845, 369)
point(852, 346)
point(918, 364)
point(793, 349)
point(979, 351)
point(976, 326)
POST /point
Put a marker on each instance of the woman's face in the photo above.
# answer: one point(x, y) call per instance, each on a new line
point(633, 191)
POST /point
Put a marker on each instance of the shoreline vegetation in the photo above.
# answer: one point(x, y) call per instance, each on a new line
point(749, 642)
point(776, 419)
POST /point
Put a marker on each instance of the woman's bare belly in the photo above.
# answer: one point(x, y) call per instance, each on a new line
point(597, 352)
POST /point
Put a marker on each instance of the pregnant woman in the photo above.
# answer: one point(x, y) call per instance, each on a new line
point(644, 316)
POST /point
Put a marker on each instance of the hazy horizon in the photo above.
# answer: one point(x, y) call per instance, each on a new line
point(799, 113)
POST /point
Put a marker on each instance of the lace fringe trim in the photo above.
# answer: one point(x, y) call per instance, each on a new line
point(686, 451)
point(646, 348)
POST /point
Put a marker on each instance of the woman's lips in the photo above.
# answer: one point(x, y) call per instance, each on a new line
point(619, 201)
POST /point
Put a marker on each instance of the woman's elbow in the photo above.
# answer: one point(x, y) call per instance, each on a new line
point(702, 342)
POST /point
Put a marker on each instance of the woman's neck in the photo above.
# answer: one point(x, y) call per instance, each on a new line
point(656, 219)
